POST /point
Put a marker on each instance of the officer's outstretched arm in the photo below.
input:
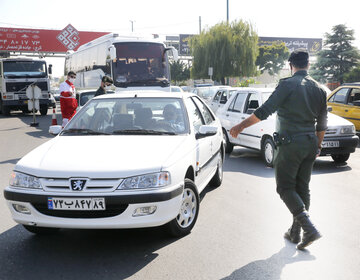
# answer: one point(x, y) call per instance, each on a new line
point(249, 121)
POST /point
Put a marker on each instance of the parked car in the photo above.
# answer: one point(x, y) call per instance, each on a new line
point(221, 97)
point(339, 141)
point(176, 89)
point(98, 173)
point(207, 93)
point(83, 96)
point(345, 102)
point(56, 93)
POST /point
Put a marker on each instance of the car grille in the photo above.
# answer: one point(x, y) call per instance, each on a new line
point(331, 131)
point(20, 87)
point(92, 185)
point(111, 211)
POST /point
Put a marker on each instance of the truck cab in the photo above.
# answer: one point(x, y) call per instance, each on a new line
point(16, 74)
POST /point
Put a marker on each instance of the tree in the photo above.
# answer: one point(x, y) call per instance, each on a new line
point(231, 50)
point(338, 56)
point(272, 57)
point(179, 71)
point(353, 75)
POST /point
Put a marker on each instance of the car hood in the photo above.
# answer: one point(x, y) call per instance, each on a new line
point(334, 120)
point(100, 156)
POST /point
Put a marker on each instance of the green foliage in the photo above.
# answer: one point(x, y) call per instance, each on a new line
point(179, 71)
point(245, 83)
point(353, 75)
point(231, 49)
point(272, 57)
point(338, 56)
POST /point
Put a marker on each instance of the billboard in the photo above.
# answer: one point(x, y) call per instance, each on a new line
point(43, 40)
point(313, 45)
point(184, 44)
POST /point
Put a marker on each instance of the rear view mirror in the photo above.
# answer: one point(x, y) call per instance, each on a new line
point(55, 129)
point(174, 53)
point(112, 51)
point(206, 130)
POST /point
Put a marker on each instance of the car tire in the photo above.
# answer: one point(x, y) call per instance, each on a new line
point(268, 151)
point(218, 177)
point(340, 158)
point(40, 230)
point(189, 210)
point(228, 146)
point(43, 110)
point(5, 110)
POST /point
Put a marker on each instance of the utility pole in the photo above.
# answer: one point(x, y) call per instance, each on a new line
point(199, 24)
point(227, 11)
point(132, 25)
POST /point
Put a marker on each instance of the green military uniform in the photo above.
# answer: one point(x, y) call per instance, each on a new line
point(301, 109)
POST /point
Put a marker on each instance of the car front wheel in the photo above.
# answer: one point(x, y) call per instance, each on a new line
point(189, 210)
point(340, 158)
point(217, 179)
point(228, 146)
point(268, 151)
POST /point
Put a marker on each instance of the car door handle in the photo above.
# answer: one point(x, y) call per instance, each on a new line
point(243, 118)
point(227, 115)
point(346, 110)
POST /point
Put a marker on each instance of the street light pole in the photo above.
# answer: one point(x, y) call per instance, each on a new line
point(132, 25)
point(227, 11)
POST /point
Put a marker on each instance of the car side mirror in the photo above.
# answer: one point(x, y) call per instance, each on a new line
point(174, 53)
point(50, 69)
point(329, 109)
point(55, 129)
point(206, 130)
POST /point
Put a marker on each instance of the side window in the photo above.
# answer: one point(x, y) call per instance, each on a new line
point(208, 117)
point(0, 69)
point(194, 115)
point(217, 96)
point(238, 102)
point(339, 96)
point(354, 97)
point(252, 104)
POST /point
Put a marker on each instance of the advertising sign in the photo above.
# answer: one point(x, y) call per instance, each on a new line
point(313, 45)
point(184, 44)
point(42, 40)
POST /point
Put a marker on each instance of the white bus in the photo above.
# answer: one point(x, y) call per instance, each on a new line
point(132, 62)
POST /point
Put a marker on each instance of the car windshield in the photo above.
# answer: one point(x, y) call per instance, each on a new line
point(265, 96)
point(207, 92)
point(17, 69)
point(140, 64)
point(130, 116)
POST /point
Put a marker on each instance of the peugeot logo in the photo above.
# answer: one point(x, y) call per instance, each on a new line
point(77, 184)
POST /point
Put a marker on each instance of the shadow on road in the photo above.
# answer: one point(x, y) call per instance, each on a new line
point(328, 166)
point(271, 268)
point(78, 254)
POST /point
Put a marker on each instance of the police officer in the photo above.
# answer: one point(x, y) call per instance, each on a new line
point(106, 82)
point(301, 124)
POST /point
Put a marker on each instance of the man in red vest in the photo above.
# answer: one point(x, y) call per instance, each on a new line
point(68, 102)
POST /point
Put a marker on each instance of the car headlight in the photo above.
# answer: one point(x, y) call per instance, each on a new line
point(348, 130)
point(21, 180)
point(154, 180)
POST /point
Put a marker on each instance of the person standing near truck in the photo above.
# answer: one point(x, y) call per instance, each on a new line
point(301, 108)
point(68, 102)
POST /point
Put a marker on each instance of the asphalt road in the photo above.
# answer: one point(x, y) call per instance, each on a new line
point(238, 234)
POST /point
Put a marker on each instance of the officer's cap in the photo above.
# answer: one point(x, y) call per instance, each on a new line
point(299, 55)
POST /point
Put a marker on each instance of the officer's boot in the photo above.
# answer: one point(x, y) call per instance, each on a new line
point(310, 232)
point(293, 234)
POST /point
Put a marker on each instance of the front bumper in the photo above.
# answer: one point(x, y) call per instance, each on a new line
point(347, 144)
point(118, 214)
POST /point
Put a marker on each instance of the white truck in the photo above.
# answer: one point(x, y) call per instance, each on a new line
point(132, 62)
point(16, 74)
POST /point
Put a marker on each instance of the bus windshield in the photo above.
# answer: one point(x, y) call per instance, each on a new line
point(28, 69)
point(140, 64)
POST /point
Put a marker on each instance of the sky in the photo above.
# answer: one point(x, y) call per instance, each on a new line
point(277, 18)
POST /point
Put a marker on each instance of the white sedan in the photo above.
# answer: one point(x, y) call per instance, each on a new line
point(129, 160)
point(339, 141)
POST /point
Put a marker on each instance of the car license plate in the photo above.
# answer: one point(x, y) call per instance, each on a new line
point(65, 203)
point(330, 144)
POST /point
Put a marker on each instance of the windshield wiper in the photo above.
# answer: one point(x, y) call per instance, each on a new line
point(142, 132)
point(83, 131)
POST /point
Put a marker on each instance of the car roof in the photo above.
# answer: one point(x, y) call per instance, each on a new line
point(357, 84)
